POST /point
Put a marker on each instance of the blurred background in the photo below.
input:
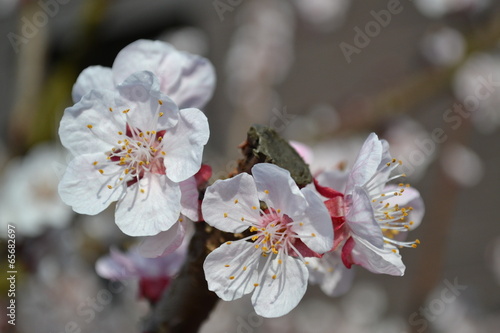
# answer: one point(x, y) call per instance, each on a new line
point(423, 74)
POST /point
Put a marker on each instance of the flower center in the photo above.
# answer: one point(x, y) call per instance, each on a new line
point(136, 152)
point(274, 234)
point(139, 153)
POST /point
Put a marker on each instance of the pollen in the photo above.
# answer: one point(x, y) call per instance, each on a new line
point(394, 250)
point(160, 102)
point(161, 114)
point(280, 261)
point(253, 207)
point(228, 243)
point(110, 187)
point(274, 277)
point(142, 190)
point(225, 214)
point(231, 277)
point(110, 109)
point(226, 265)
point(163, 153)
point(101, 171)
point(95, 163)
point(255, 284)
point(244, 268)
point(126, 111)
point(236, 201)
point(90, 126)
point(120, 132)
point(266, 191)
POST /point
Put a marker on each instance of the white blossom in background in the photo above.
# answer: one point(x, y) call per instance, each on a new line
point(187, 79)
point(272, 261)
point(443, 47)
point(28, 192)
point(479, 79)
point(462, 165)
point(132, 145)
point(260, 54)
point(153, 274)
point(370, 216)
point(323, 15)
point(408, 140)
point(439, 8)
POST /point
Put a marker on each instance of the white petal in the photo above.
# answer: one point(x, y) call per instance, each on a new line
point(92, 78)
point(239, 260)
point(184, 145)
point(237, 197)
point(186, 78)
point(361, 219)
point(163, 243)
point(190, 204)
point(149, 213)
point(93, 110)
point(278, 190)
point(85, 189)
point(317, 229)
point(410, 198)
point(276, 297)
point(196, 84)
point(366, 164)
point(377, 260)
point(142, 95)
point(144, 55)
point(332, 276)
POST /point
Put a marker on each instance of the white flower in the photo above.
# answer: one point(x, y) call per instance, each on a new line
point(270, 262)
point(28, 192)
point(370, 215)
point(134, 146)
point(188, 79)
